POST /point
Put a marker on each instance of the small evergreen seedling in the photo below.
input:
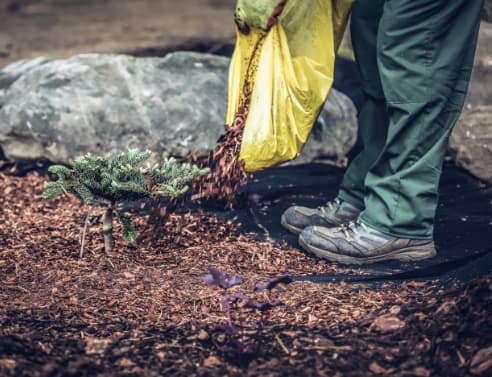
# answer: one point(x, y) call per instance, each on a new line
point(105, 181)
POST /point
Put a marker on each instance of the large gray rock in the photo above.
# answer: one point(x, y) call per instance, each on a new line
point(15, 70)
point(471, 142)
point(104, 103)
point(60, 109)
point(334, 133)
point(487, 11)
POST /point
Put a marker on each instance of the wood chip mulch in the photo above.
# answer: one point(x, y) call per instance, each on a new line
point(143, 310)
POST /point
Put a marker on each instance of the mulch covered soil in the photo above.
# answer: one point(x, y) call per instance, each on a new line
point(144, 310)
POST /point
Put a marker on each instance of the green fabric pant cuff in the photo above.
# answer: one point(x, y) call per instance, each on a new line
point(350, 199)
point(389, 232)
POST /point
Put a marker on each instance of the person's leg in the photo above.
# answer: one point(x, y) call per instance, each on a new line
point(373, 123)
point(425, 55)
point(373, 119)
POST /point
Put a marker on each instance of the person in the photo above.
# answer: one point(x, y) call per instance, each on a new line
point(415, 59)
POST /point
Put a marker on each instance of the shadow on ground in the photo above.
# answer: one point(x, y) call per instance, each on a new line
point(463, 229)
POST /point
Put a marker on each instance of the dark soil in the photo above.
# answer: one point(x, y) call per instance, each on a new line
point(144, 310)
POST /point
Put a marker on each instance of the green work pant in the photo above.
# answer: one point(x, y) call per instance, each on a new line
point(415, 58)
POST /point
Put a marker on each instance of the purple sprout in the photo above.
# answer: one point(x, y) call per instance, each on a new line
point(243, 182)
point(254, 199)
point(219, 279)
point(239, 345)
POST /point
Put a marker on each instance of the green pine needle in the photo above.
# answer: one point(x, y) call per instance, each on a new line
point(122, 176)
point(127, 229)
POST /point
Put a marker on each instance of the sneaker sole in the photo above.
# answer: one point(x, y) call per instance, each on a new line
point(289, 227)
point(407, 254)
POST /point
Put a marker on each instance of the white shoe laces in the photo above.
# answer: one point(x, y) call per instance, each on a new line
point(352, 228)
point(331, 205)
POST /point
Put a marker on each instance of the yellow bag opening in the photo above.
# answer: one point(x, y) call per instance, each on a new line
point(283, 76)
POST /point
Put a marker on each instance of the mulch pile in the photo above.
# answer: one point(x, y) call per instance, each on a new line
point(143, 310)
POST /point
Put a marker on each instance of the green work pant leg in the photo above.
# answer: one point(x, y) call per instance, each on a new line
point(425, 56)
point(373, 119)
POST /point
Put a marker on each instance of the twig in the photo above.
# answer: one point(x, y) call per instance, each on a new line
point(17, 287)
point(282, 345)
point(84, 232)
point(111, 263)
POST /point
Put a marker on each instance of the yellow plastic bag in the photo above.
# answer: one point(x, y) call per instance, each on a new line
point(283, 76)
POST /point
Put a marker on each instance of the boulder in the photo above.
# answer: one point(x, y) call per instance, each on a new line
point(15, 70)
point(334, 133)
point(105, 103)
point(60, 109)
point(487, 11)
point(471, 142)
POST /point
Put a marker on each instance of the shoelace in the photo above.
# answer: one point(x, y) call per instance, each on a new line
point(331, 205)
point(352, 228)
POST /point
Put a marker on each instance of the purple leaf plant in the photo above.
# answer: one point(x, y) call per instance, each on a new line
point(239, 345)
point(219, 279)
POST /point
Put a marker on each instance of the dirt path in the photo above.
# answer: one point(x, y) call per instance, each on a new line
point(60, 28)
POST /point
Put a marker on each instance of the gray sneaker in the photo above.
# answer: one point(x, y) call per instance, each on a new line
point(356, 243)
point(334, 213)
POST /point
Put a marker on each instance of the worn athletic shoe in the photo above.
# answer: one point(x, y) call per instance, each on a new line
point(334, 213)
point(357, 243)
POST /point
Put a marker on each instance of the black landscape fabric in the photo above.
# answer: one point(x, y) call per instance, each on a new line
point(463, 229)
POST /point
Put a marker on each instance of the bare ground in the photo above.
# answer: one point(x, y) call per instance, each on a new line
point(61, 28)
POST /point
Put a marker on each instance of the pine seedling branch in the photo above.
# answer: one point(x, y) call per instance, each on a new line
point(105, 181)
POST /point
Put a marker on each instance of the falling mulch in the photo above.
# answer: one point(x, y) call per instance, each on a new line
point(144, 309)
point(227, 174)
